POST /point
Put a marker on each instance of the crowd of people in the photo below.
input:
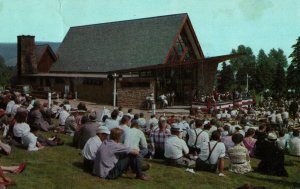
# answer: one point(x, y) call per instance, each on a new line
point(112, 141)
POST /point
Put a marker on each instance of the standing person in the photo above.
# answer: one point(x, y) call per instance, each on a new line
point(113, 158)
point(239, 156)
point(272, 158)
point(158, 139)
point(92, 146)
point(196, 138)
point(175, 148)
point(212, 155)
point(21, 129)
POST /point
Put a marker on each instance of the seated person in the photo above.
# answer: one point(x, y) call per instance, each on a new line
point(88, 130)
point(35, 118)
point(295, 144)
point(212, 155)
point(113, 158)
point(272, 158)
point(175, 147)
point(196, 138)
point(135, 139)
point(249, 141)
point(158, 139)
point(22, 130)
point(239, 156)
point(92, 146)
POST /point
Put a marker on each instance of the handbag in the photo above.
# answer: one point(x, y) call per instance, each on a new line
point(206, 165)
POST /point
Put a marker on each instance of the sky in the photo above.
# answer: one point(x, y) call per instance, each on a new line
point(220, 25)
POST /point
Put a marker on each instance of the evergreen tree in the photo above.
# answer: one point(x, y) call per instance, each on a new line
point(226, 78)
point(279, 83)
point(294, 69)
point(264, 72)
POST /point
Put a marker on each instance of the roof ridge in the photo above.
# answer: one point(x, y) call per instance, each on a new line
point(146, 18)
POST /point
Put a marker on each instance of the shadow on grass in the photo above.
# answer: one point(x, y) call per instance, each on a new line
point(275, 181)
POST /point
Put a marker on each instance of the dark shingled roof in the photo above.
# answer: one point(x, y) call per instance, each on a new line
point(118, 45)
point(39, 51)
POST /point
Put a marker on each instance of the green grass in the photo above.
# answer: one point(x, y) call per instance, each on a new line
point(60, 167)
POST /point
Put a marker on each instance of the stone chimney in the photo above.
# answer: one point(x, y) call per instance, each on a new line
point(26, 55)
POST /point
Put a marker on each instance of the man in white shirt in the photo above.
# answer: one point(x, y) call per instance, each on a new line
point(295, 144)
point(152, 124)
point(197, 137)
point(175, 148)
point(64, 114)
point(125, 126)
point(285, 118)
point(142, 122)
point(9, 105)
point(212, 153)
point(135, 139)
point(92, 146)
point(130, 114)
point(112, 122)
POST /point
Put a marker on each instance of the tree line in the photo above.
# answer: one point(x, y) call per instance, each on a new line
point(266, 71)
point(6, 73)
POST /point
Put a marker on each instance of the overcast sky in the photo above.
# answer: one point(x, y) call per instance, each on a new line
point(220, 25)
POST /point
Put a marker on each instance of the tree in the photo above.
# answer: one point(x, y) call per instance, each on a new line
point(5, 73)
point(294, 69)
point(277, 56)
point(279, 83)
point(226, 78)
point(244, 65)
point(264, 72)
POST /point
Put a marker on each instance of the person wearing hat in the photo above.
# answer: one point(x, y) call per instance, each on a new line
point(92, 146)
point(175, 147)
point(88, 130)
point(272, 158)
point(113, 158)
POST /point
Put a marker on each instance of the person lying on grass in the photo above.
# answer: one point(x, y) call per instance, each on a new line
point(5, 180)
point(113, 158)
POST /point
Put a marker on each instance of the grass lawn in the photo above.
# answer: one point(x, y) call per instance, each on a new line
point(60, 167)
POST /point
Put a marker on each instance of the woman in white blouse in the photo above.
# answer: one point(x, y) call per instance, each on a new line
point(21, 129)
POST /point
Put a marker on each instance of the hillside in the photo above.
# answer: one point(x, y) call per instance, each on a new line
point(9, 51)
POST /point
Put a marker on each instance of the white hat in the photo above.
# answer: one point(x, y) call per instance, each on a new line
point(176, 127)
point(272, 136)
point(103, 129)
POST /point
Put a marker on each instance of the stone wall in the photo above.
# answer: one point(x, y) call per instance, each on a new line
point(134, 96)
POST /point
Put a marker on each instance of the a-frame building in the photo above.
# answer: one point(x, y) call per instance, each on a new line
point(159, 55)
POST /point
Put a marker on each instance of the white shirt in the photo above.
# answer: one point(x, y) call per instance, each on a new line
point(153, 122)
point(295, 146)
point(9, 106)
point(175, 147)
point(68, 107)
point(14, 109)
point(111, 123)
point(218, 152)
point(91, 147)
point(62, 117)
point(273, 118)
point(278, 118)
point(142, 122)
point(21, 129)
point(203, 137)
point(212, 129)
point(285, 115)
point(219, 116)
point(184, 125)
point(281, 141)
point(135, 139)
point(130, 115)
